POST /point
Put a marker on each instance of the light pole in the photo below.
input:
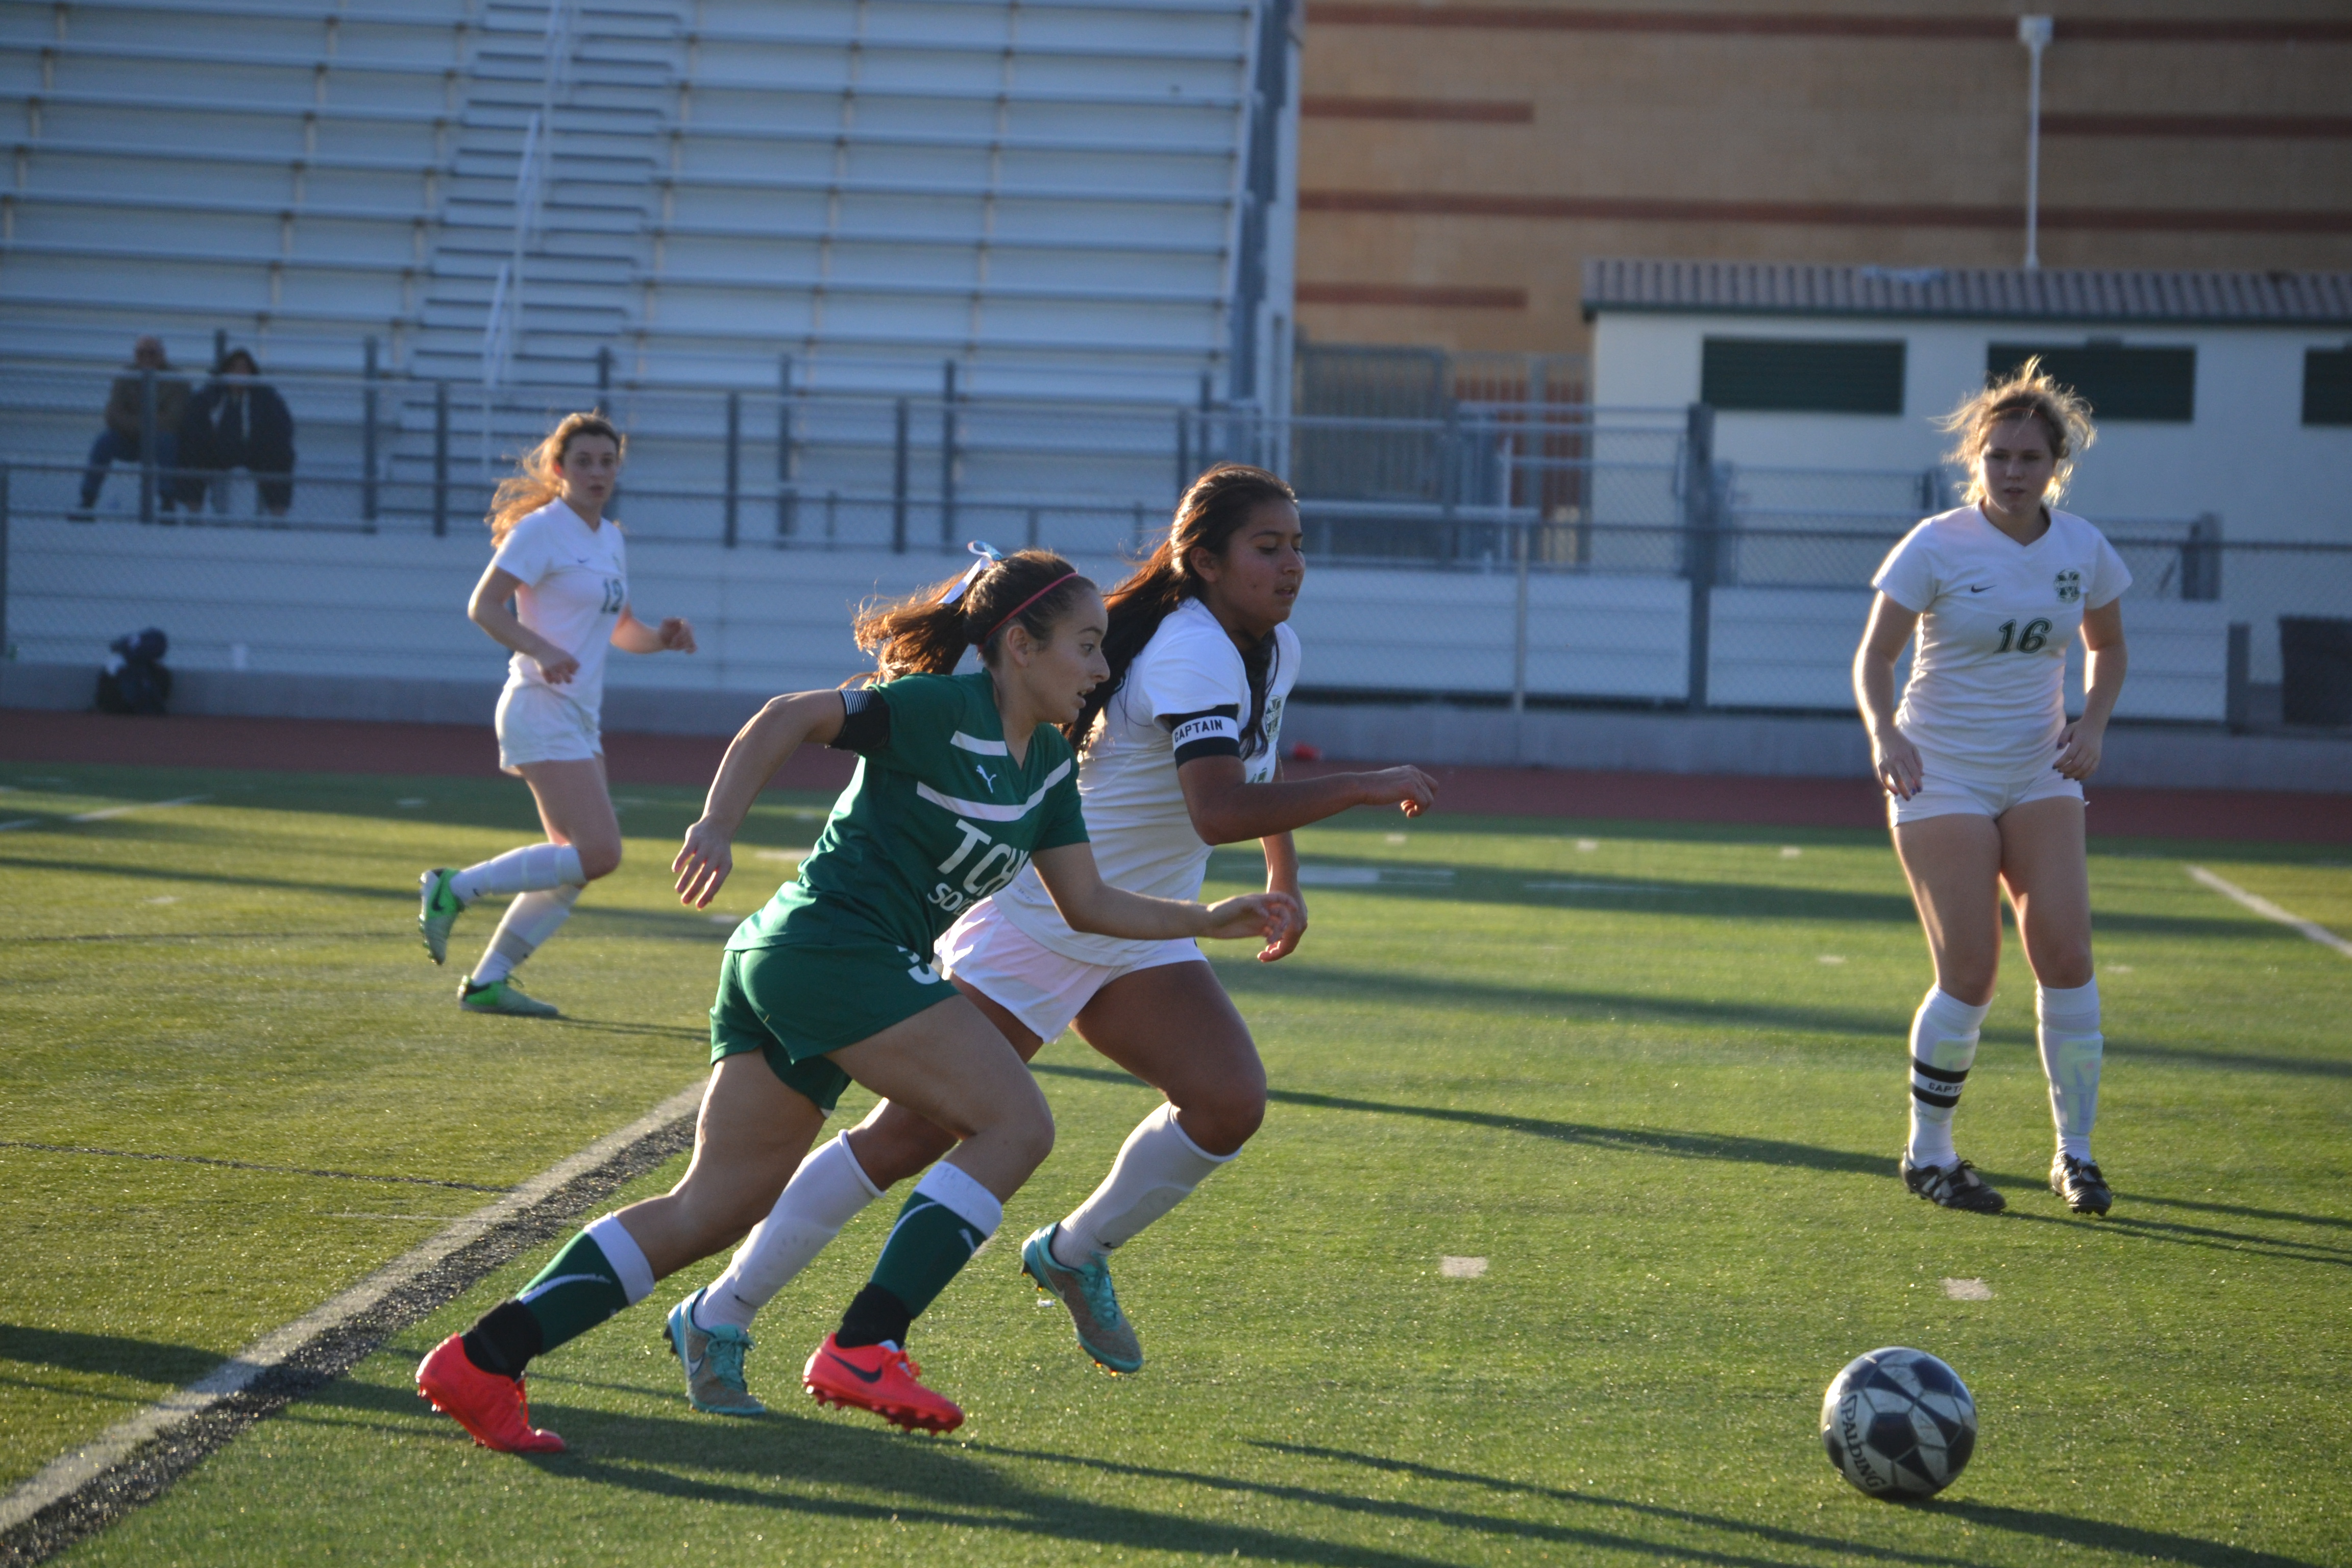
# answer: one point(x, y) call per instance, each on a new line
point(2034, 32)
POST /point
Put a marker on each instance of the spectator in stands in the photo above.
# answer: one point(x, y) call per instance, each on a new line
point(236, 421)
point(119, 442)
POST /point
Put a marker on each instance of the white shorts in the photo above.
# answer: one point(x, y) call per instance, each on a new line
point(540, 724)
point(1944, 793)
point(1043, 988)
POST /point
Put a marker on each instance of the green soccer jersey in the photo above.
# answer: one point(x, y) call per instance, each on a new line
point(938, 817)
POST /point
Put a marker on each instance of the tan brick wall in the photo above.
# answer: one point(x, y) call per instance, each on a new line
point(1920, 140)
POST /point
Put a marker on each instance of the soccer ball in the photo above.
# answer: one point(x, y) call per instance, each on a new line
point(1898, 1423)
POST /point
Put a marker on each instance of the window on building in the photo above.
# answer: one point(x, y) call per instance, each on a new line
point(2157, 385)
point(1802, 376)
point(2327, 386)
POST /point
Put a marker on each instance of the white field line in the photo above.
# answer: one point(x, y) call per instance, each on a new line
point(101, 815)
point(2271, 911)
point(64, 1475)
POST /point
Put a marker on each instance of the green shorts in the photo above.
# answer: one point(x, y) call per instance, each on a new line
point(794, 1003)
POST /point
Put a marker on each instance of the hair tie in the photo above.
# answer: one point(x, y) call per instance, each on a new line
point(988, 557)
point(1026, 604)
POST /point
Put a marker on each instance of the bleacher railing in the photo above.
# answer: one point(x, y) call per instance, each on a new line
point(1537, 520)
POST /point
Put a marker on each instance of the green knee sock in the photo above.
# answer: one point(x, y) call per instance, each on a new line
point(599, 1271)
point(947, 1217)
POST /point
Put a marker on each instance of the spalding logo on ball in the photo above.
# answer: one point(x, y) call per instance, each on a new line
point(1898, 1423)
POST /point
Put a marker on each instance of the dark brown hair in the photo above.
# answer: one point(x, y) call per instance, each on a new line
point(1213, 508)
point(926, 632)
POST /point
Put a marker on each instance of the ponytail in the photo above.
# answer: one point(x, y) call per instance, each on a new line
point(926, 632)
point(1213, 510)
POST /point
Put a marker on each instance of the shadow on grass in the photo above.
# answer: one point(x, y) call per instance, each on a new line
point(2149, 1545)
point(69, 1351)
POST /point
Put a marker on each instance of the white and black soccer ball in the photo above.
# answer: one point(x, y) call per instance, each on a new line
point(1898, 1423)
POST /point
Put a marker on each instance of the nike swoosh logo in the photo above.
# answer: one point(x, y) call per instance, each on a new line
point(860, 1377)
point(1986, 589)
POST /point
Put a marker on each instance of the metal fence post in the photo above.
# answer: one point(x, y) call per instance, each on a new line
point(734, 460)
point(947, 457)
point(788, 500)
point(898, 482)
point(367, 438)
point(2235, 704)
point(147, 433)
point(6, 652)
point(1184, 468)
point(440, 459)
point(1521, 530)
point(603, 382)
point(1699, 523)
point(2200, 560)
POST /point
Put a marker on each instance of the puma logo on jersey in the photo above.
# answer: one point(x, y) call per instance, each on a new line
point(985, 777)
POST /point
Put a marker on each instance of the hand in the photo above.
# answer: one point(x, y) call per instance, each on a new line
point(1411, 791)
point(1269, 915)
point(558, 670)
point(702, 864)
point(1894, 762)
point(675, 635)
point(1276, 952)
point(2079, 745)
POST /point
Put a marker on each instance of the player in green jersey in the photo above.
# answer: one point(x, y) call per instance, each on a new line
point(961, 781)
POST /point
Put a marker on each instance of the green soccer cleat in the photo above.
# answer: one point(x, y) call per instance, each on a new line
point(1104, 1331)
point(438, 908)
point(502, 996)
point(713, 1359)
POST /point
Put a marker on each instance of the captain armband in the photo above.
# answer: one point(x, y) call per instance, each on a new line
point(1213, 732)
point(865, 722)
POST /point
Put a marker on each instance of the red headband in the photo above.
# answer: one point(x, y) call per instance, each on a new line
point(1026, 604)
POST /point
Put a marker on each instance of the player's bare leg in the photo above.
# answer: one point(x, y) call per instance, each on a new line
point(2045, 864)
point(1953, 863)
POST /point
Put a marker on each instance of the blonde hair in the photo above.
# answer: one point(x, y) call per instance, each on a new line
point(2026, 393)
point(537, 479)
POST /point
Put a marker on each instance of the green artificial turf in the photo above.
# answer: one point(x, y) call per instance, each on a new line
point(1660, 1097)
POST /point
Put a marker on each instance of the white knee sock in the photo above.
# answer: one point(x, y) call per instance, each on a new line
point(2072, 1050)
point(1157, 1168)
point(525, 870)
point(824, 1195)
point(529, 920)
point(1943, 1048)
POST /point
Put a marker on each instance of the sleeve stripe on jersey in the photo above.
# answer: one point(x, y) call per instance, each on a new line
point(989, 811)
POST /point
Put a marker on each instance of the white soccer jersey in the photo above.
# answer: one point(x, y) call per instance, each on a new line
point(1986, 693)
point(575, 582)
point(1185, 696)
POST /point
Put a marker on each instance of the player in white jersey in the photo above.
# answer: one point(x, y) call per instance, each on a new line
point(563, 562)
point(1182, 746)
point(1983, 771)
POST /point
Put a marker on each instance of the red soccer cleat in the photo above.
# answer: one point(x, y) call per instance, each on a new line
point(489, 1406)
point(877, 1378)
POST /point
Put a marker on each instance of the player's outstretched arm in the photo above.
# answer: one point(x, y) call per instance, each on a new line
point(1226, 808)
point(757, 750)
point(1090, 904)
point(1894, 760)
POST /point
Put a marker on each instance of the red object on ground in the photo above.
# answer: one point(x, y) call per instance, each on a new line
point(468, 751)
point(492, 1408)
point(879, 1379)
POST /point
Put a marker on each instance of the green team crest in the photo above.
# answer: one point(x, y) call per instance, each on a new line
point(2070, 586)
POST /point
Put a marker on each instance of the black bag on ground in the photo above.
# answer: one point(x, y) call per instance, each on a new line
point(134, 679)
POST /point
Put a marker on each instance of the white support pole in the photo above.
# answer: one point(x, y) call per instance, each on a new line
point(2034, 32)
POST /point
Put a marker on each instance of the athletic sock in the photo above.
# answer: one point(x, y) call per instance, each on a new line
point(1157, 1168)
point(524, 871)
point(826, 1194)
point(2072, 1051)
point(1943, 1048)
point(529, 920)
point(947, 1217)
point(600, 1272)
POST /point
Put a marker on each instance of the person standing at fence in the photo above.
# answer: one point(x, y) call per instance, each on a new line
point(1983, 771)
point(1182, 742)
point(126, 423)
point(237, 422)
point(561, 562)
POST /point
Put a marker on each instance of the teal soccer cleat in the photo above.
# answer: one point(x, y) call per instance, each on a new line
point(713, 1363)
point(1104, 1331)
